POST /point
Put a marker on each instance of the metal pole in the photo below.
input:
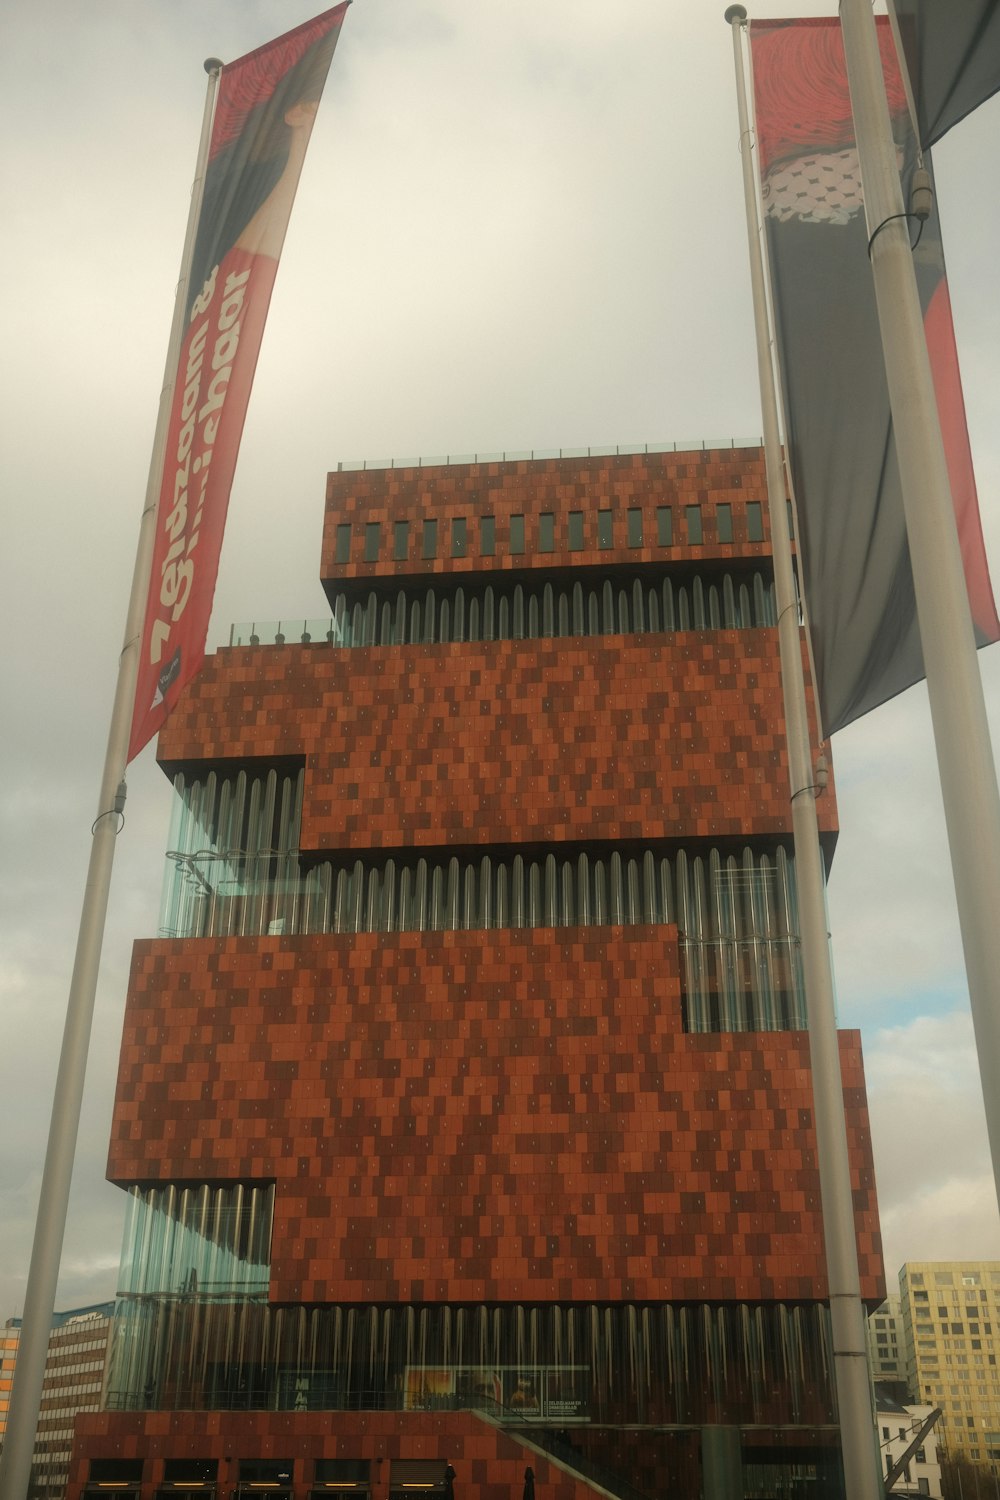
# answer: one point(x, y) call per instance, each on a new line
point(50, 1224)
point(954, 687)
point(862, 1466)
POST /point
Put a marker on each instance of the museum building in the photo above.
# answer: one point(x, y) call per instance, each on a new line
point(464, 1104)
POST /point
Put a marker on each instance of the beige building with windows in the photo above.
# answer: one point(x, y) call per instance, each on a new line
point(73, 1381)
point(951, 1323)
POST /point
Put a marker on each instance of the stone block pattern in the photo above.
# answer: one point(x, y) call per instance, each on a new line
point(645, 482)
point(502, 1116)
point(662, 737)
point(489, 1464)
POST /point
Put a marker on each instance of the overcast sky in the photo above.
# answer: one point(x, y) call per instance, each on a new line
point(519, 226)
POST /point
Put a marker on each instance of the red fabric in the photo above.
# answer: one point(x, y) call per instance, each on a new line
point(800, 87)
point(242, 213)
point(252, 79)
point(214, 375)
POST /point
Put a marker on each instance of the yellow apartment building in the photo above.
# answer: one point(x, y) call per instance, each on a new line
point(951, 1322)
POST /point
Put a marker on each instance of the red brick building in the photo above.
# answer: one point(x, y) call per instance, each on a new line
point(464, 1104)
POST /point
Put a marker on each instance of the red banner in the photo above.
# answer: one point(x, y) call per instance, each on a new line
point(263, 118)
point(852, 545)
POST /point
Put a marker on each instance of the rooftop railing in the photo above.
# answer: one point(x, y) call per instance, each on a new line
point(516, 455)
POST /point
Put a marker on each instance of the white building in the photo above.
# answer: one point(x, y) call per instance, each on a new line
point(897, 1427)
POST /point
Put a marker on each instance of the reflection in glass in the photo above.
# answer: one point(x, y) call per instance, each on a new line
point(401, 541)
point(235, 868)
point(647, 1364)
point(755, 521)
point(458, 536)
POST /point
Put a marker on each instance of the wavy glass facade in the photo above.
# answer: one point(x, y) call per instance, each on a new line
point(195, 1259)
point(648, 1366)
point(234, 867)
point(617, 605)
point(464, 1100)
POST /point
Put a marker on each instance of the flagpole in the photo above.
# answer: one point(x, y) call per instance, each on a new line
point(50, 1223)
point(862, 1467)
point(954, 687)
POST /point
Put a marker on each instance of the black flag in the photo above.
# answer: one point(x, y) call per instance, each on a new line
point(952, 51)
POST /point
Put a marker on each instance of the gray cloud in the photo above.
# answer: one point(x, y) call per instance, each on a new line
point(518, 227)
point(932, 1165)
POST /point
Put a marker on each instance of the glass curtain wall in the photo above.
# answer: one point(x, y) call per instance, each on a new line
point(606, 605)
point(195, 1261)
point(234, 869)
point(620, 1364)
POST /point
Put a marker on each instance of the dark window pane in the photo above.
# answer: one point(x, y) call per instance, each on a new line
point(196, 1470)
point(755, 521)
point(635, 528)
point(430, 538)
point(265, 1471)
point(664, 526)
point(517, 533)
point(401, 541)
point(344, 543)
point(693, 515)
point(487, 536)
point(458, 536)
point(576, 531)
point(546, 531)
point(605, 529)
point(351, 1469)
point(116, 1470)
point(724, 522)
point(372, 530)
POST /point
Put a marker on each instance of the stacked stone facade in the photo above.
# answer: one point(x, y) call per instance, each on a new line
point(474, 1114)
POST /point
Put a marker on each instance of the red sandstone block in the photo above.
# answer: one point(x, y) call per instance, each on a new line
point(480, 1123)
point(367, 764)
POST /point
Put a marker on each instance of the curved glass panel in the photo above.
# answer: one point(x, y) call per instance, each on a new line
point(235, 868)
point(526, 611)
point(655, 1365)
